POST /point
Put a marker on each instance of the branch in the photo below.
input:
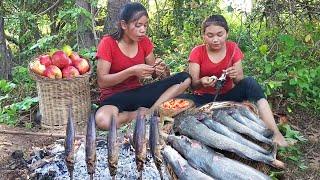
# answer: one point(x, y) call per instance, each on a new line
point(11, 39)
point(96, 39)
point(51, 7)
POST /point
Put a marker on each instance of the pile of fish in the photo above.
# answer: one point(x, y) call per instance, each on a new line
point(189, 153)
point(227, 129)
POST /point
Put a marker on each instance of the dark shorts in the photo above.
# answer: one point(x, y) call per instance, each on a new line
point(144, 96)
point(247, 89)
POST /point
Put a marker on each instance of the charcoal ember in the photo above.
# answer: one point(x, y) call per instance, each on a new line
point(101, 143)
point(17, 154)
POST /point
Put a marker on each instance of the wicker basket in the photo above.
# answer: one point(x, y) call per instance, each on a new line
point(56, 94)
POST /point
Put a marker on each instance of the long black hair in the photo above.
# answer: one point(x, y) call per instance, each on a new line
point(217, 20)
point(129, 12)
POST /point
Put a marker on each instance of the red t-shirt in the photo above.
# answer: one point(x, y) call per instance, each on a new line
point(200, 56)
point(109, 50)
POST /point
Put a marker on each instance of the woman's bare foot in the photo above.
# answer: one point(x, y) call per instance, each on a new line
point(280, 140)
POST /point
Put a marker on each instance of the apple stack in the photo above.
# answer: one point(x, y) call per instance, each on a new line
point(62, 78)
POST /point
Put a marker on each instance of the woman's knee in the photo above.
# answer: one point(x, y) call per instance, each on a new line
point(183, 76)
point(253, 89)
point(185, 80)
point(250, 82)
point(103, 116)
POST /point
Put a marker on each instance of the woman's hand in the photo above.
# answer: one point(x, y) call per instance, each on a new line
point(235, 72)
point(160, 67)
point(207, 81)
point(232, 72)
point(142, 70)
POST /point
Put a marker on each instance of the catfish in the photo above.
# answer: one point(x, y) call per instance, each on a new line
point(181, 167)
point(113, 148)
point(221, 129)
point(189, 126)
point(91, 145)
point(154, 142)
point(214, 164)
point(69, 143)
point(139, 140)
point(225, 119)
point(235, 114)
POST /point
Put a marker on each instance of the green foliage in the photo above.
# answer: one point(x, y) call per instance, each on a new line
point(28, 125)
point(45, 43)
point(33, 32)
point(281, 47)
point(175, 36)
point(6, 87)
point(292, 153)
point(15, 96)
point(287, 68)
point(276, 174)
point(9, 114)
point(290, 134)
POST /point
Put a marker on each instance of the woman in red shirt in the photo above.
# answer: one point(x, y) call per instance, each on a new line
point(125, 57)
point(219, 57)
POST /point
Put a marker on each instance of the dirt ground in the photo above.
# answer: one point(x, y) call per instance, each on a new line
point(305, 122)
point(309, 125)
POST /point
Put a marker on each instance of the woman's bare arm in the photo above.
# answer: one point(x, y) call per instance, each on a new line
point(150, 59)
point(105, 79)
point(108, 80)
point(194, 71)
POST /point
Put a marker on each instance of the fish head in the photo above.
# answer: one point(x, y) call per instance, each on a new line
point(201, 116)
point(231, 111)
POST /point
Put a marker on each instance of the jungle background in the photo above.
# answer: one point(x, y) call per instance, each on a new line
point(280, 40)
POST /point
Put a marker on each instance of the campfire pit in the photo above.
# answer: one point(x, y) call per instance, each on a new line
point(52, 164)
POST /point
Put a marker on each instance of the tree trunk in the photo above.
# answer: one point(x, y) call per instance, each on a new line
point(110, 25)
point(86, 38)
point(5, 58)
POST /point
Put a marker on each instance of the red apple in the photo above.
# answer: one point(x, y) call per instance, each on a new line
point(82, 65)
point(53, 72)
point(37, 67)
point(70, 72)
point(74, 57)
point(45, 60)
point(60, 59)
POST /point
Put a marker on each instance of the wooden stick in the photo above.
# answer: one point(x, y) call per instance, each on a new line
point(44, 134)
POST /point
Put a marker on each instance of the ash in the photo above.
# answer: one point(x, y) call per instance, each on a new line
point(55, 168)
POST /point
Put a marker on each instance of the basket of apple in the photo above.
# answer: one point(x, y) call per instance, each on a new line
point(62, 79)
